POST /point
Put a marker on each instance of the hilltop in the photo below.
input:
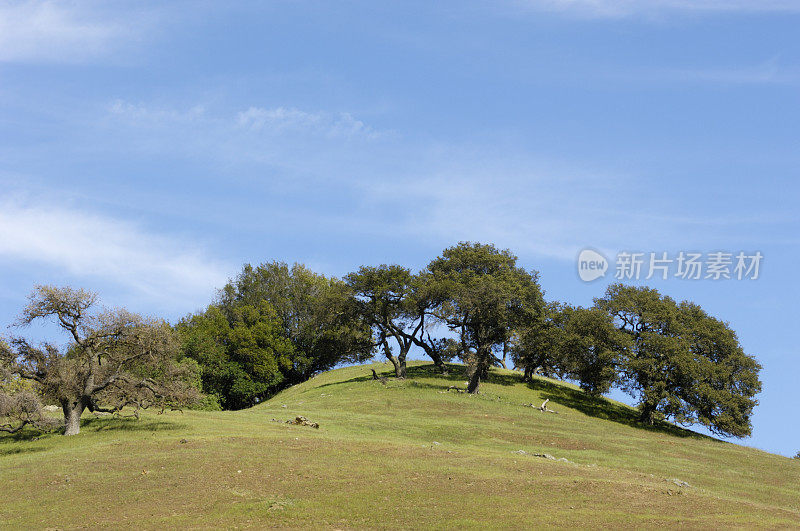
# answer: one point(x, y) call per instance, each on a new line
point(409, 453)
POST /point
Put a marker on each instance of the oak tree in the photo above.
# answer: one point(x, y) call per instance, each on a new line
point(271, 327)
point(112, 358)
point(682, 363)
point(398, 305)
point(482, 295)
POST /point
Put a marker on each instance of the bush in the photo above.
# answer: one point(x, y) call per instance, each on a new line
point(208, 403)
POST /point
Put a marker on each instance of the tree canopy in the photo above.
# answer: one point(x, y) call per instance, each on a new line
point(241, 356)
point(274, 326)
point(398, 306)
point(482, 295)
point(682, 363)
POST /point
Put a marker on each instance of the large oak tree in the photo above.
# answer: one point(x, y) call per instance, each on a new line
point(271, 327)
point(398, 305)
point(112, 358)
point(482, 296)
point(682, 363)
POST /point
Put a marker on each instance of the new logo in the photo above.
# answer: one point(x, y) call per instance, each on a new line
point(591, 265)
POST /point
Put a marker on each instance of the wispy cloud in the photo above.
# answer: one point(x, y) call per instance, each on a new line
point(534, 209)
point(543, 208)
point(767, 73)
point(624, 8)
point(93, 246)
point(281, 120)
point(436, 193)
point(148, 115)
point(276, 136)
point(71, 32)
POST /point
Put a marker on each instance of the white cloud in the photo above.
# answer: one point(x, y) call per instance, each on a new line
point(622, 8)
point(278, 137)
point(139, 113)
point(438, 193)
point(53, 31)
point(432, 192)
point(275, 121)
point(281, 119)
point(86, 245)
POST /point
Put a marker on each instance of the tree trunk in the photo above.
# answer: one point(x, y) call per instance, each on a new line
point(505, 354)
point(439, 363)
point(396, 364)
point(400, 368)
point(474, 383)
point(72, 416)
point(432, 351)
point(527, 375)
point(481, 371)
point(647, 415)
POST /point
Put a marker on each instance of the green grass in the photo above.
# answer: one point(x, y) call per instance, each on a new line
point(407, 454)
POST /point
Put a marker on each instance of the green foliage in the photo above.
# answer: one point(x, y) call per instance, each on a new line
point(317, 314)
point(682, 363)
point(276, 325)
point(240, 357)
point(718, 379)
point(591, 349)
point(482, 295)
point(398, 306)
point(208, 403)
point(12, 384)
point(536, 345)
point(382, 297)
point(577, 343)
point(113, 359)
point(273, 327)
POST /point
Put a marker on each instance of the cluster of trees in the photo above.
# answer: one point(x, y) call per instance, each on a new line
point(274, 326)
point(476, 292)
point(679, 362)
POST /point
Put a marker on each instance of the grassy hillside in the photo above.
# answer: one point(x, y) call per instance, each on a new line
point(409, 453)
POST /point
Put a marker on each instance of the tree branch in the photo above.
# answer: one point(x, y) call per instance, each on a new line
point(8, 429)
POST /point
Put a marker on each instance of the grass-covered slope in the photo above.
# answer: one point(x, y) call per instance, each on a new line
point(408, 453)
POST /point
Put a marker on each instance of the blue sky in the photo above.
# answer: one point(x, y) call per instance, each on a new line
point(148, 150)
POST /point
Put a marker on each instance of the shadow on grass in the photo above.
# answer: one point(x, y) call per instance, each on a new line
point(88, 425)
point(456, 373)
point(26, 435)
point(600, 407)
point(128, 424)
